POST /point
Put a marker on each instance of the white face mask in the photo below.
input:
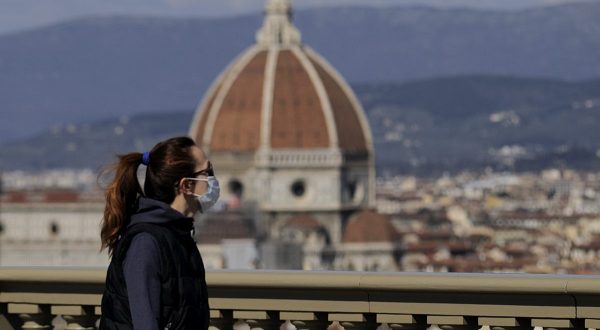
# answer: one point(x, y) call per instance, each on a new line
point(211, 196)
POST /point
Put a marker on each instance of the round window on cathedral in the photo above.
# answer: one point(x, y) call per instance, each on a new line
point(54, 228)
point(298, 188)
point(236, 188)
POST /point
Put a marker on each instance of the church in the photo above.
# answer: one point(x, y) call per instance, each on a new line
point(291, 146)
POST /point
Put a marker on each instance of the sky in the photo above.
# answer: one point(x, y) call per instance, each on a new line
point(17, 15)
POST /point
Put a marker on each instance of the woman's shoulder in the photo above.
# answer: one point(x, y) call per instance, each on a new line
point(143, 247)
point(145, 240)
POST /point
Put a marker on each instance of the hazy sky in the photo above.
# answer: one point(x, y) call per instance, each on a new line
point(16, 15)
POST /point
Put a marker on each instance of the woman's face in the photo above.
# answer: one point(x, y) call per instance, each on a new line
point(202, 190)
point(199, 187)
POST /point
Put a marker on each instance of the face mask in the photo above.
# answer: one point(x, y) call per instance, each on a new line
point(211, 196)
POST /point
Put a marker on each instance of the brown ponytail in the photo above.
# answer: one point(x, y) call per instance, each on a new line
point(121, 195)
point(169, 161)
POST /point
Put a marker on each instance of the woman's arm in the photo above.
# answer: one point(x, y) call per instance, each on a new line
point(141, 270)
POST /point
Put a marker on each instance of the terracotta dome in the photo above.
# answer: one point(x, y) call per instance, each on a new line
point(280, 94)
point(369, 227)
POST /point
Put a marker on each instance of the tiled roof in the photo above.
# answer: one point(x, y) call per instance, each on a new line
point(219, 226)
point(369, 226)
point(308, 106)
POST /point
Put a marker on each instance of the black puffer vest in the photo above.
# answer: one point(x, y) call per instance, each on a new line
point(184, 299)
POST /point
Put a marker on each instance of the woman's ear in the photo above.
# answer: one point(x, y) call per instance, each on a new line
point(186, 186)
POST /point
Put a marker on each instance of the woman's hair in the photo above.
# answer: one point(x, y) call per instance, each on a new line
point(168, 162)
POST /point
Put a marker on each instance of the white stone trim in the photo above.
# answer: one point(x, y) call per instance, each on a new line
point(358, 247)
point(361, 117)
point(232, 75)
point(371, 197)
point(278, 28)
point(349, 93)
point(296, 158)
point(267, 98)
point(201, 108)
point(322, 94)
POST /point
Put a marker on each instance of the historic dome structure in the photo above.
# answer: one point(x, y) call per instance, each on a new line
point(285, 131)
point(369, 227)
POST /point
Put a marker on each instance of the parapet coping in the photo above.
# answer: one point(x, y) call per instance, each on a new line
point(342, 280)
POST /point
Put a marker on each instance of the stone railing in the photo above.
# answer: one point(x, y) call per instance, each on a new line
point(70, 298)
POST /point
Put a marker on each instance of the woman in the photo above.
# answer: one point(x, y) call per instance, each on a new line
point(155, 279)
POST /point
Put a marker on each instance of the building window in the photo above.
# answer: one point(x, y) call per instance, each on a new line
point(236, 188)
point(298, 188)
point(356, 191)
point(54, 228)
point(352, 189)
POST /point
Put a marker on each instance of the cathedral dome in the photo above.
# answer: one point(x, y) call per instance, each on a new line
point(280, 95)
point(370, 227)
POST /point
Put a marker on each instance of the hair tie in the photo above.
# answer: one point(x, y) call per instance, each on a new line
point(146, 158)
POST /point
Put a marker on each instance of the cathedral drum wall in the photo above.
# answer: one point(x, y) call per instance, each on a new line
point(236, 173)
point(301, 189)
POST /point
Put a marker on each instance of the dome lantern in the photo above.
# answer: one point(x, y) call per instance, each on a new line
point(278, 29)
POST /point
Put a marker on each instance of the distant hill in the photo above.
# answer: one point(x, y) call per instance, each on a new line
point(451, 124)
point(426, 127)
point(92, 145)
point(101, 67)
